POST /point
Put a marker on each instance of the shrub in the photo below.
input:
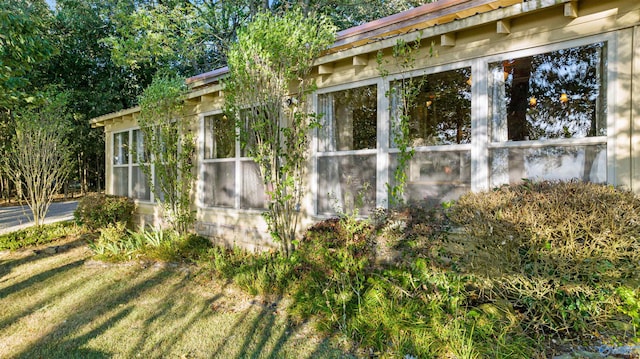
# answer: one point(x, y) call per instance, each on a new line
point(99, 210)
point(114, 243)
point(557, 251)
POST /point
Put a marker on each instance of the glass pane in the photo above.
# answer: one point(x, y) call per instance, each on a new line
point(140, 154)
point(139, 184)
point(250, 118)
point(346, 182)
point(349, 119)
point(121, 148)
point(252, 195)
point(219, 137)
point(586, 163)
point(219, 186)
point(121, 181)
point(440, 113)
point(435, 177)
point(157, 191)
point(554, 95)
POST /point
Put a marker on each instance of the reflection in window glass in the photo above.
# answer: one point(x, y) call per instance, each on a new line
point(219, 184)
point(558, 94)
point(440, 114)
point(219, 137)
point(349, 119)
point(346, 183)
point(140, 154)
point(435, 176)
point(585, 163)
point(121, 148)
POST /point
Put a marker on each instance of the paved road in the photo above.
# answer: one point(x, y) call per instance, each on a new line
point(18, 217)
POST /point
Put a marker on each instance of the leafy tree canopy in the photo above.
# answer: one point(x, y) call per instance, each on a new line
point(24, 44)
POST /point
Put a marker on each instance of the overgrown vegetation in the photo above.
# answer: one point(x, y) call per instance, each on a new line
point(97, 211)
point(519, 272)
point(266, 92)
point(167, 151)
point(38, 235)
point(496, 274)
point(116, 244)
point(566, 251)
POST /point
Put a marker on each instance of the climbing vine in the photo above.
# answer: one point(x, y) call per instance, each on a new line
point(402, 95)
point(169, 144)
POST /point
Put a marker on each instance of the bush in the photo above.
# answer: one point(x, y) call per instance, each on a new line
point(100, 210)
point(557, 252)
point(520, 263)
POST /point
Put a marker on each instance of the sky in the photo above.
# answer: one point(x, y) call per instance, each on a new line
point(52, 4)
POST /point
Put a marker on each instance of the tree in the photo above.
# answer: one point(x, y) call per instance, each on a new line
point(83, 67)
point(170, 37)
point(39, 162)
point(24, 45)
point(267, 92)
point(190, 37)
point(168, 144)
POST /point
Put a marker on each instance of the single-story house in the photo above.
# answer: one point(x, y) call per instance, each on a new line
point(518, 89)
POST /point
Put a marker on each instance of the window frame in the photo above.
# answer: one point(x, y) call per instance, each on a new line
point(237, 160)
point(131, 163)
point(610, 56)
point(381, 132)
point(458, 148)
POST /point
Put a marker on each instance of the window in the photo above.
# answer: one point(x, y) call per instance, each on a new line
point(128, 177)
point(121, 164)
point(440, 114)
point(349, 119)
point(139, 184)
point(346, 162)
point(219, 137)
point(439, 120)
point(548, 115)
point(221, 187)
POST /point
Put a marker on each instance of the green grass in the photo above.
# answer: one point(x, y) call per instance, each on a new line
point(39, 235)
point(68, 306)
point(527, 271)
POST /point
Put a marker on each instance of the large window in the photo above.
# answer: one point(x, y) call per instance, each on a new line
point(139, 184)
point(121, 164)
point(440, 113)
point(439, 120)
point(129, 178)
point(346, 150)
point(548, 116)
point(228, 180)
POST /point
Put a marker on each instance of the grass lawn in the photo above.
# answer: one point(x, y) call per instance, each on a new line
point(65, 305)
